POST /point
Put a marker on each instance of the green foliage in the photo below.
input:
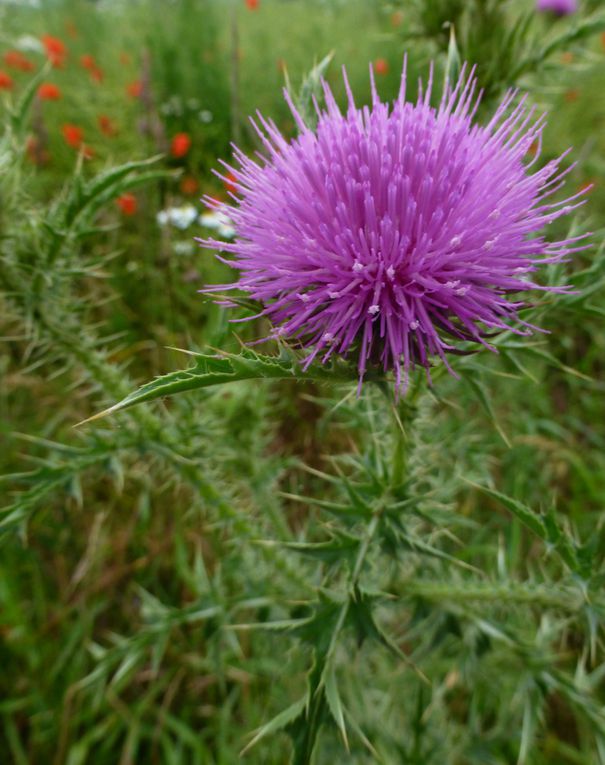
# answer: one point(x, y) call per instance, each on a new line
point(506, 41)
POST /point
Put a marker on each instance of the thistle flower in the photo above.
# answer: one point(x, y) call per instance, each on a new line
point(558, 7)
point(388, 233)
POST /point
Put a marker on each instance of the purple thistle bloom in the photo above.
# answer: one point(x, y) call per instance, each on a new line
point(387, 233)
point(558, 7)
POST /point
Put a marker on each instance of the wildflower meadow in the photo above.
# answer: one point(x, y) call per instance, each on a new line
point(302, 421)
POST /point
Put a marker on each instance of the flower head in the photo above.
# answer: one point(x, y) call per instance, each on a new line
point(134, 89)
point(180, 145)
point(179, 217)
point(48, 91)
point(30, 44)
point(71, 29)
point(73, 135)
point(97, 75)
point(189, 186)
point(87, 61)
point(381, 66)
point(558, 7)
point(390, 232)
point(6, 81)
point(106, 125)
point(16, 60)
point(55, 49)
point(127, 203)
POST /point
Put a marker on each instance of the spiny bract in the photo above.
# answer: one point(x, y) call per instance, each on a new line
point(388, 233)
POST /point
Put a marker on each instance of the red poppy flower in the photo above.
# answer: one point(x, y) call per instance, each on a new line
point(180, 145)
point(106, 125)
point(16, 60)
point(189, 186)
point(12, 58)
point(252, 5)
point(73, 135)
point(87, 151)
point(381, 66)
point(71, 29)
point(127, 204)
point(55, 49)
point(397, 19)
point(135, 89)
point(6, 81)
point(53, 45)
point(48, 91)
point(87, 61)
point(96, 74)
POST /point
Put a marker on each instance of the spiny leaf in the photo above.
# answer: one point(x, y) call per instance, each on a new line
point(310, 88)
point(210, 370)
point(341, 547)
point(334, 703)
point(485, 402)
point(20, 113)
point(279, 722)
point(545, 527)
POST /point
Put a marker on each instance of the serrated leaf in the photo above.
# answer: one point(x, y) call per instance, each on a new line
point(279, 722)
point(340, 547)
point(210, 370)
point(485, 402)
point(20, 113)
point(544, 526)
point(528, 517)
point(334, 703)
